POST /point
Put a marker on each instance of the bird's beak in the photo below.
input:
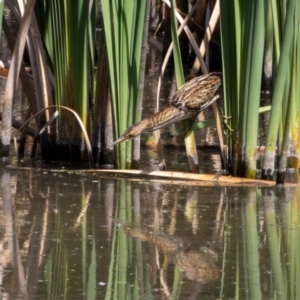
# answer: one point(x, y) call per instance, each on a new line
point(119, 140)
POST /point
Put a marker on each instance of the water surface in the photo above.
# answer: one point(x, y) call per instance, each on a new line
point(71, 235)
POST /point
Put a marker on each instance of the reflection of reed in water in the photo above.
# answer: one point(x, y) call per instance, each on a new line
point(198, 266)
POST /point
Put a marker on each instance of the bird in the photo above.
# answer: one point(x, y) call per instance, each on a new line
point(187, 102)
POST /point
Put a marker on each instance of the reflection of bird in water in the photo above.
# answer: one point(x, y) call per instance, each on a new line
point(187, 102)
point(198, 265)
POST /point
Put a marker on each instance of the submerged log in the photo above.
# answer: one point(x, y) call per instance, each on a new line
point(187, 178)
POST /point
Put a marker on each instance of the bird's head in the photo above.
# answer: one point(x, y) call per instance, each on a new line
point(130, 133)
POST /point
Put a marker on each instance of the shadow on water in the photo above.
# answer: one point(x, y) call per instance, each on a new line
point(75, 236)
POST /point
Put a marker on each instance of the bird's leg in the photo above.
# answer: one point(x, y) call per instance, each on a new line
point(227, 126)
point(183, 130)
point(173, 132)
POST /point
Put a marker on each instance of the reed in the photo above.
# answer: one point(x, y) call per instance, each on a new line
point(258, 36)
point(123, 25)
point(65, 26)
point(279, 101)
point(190, 144)
point(1, 13)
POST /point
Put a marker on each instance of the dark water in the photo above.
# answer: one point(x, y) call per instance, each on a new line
point(70, 235)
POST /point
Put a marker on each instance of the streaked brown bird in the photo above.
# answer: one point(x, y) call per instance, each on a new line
point(188, 101)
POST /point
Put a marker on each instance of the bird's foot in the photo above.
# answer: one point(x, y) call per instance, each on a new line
point(226, 125)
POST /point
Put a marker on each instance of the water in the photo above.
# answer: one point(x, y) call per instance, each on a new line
point(73, 235)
